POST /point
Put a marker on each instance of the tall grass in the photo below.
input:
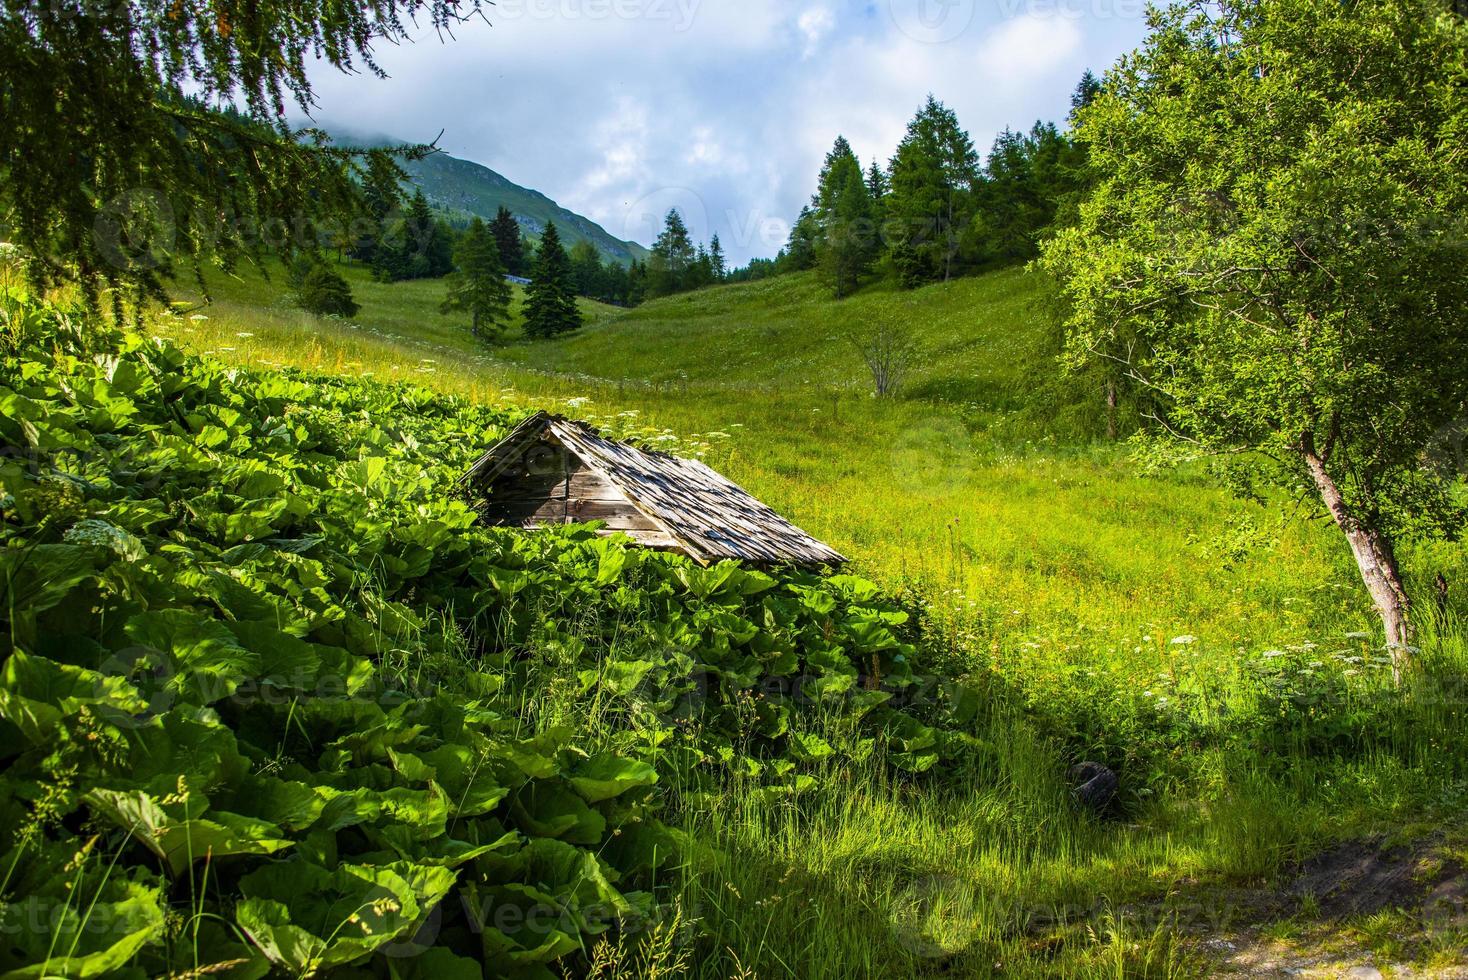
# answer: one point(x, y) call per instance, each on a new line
point(1220, 655)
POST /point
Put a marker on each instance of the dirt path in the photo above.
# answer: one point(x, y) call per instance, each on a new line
point(1363, 909)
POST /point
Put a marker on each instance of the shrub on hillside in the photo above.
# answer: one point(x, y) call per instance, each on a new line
point(325, 293)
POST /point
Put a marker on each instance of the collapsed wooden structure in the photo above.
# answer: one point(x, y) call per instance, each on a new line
point(553, 470)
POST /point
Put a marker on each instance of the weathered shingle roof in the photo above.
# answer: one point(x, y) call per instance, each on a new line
point(709, 517)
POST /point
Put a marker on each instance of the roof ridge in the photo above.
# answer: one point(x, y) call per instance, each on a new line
point(707, 514)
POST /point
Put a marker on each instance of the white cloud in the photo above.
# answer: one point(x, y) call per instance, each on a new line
point(1029, 48)
point(619, 109)
point(814, 25)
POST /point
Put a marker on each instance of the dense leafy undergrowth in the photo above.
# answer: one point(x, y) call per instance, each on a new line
point(271, 699)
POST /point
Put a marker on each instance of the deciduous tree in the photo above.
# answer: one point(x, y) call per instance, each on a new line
point(1277, 249)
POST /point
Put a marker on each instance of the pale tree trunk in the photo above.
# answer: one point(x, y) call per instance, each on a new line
point(1110, 409)
point(1377, 562)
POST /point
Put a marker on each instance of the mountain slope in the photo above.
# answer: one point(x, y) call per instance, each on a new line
point(463, 188)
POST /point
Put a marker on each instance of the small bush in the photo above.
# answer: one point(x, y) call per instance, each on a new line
point(325, 293)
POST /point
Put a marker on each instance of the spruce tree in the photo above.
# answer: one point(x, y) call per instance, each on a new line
point(1085, 93)
point(506, 231)
point(673, 254)
point(550, 299)
point(720, 266)
point(381, 198)
point(587, 271)
point(876, 182)
point(478, 286)
point(799, 253)
point(421, 246)
point(846, 241)
point(929, 205)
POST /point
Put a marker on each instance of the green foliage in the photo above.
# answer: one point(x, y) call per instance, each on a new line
point(847, 240)
point(268, 653)
point(479, 287)
point(609, 281)
point(550, 299)
point(799, 253)
point(932, 177)
point(324, 292)
point(672, 257)
point(120, 172)
point(1279, 254)
point(382, 198)
point(1054, 573)
point(418, 247)
point(1028, 180)
point(507, 238)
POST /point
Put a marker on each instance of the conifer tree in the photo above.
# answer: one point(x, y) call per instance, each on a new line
point(799, 253)
point(673, 255)
point(587, 271)
point(421, 246)
point(932, 180)
point(846, 240)
point(150, 131)
point(478, 286)
point(550, 299)
point(1085, 93)
point(381, 197)
point(506, 231)
point(876, 182)
point(717, 261)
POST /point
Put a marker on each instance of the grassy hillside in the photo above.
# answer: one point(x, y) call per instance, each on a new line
point(960, 484)
point(978, 337)
point(1218, 656)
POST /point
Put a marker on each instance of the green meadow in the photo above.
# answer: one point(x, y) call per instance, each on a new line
point(1219, 654)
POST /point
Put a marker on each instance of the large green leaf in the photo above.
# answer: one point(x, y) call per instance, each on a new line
point(606, 775)
point(307, 919)
point(89, 936)
point(179, 834)
point(36, 694)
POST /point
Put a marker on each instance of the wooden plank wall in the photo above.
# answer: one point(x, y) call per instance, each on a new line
point(551, 486)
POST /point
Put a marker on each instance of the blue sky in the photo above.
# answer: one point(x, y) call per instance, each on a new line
point(620, 109)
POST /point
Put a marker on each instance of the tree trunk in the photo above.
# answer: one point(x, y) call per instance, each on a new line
point(1110, 409)
point(1377, 562)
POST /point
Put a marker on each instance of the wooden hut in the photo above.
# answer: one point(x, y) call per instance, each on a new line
point(552, 470)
